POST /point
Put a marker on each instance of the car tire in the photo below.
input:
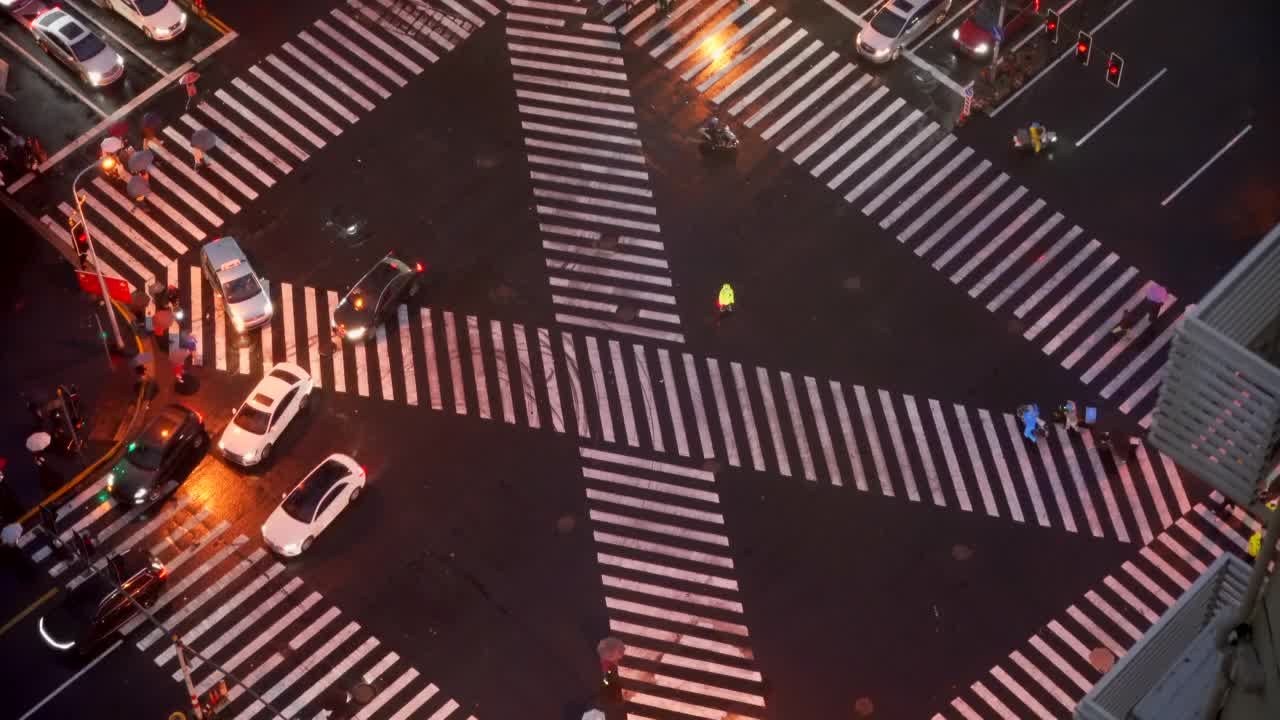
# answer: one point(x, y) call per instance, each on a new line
point(306, 544)
point(355, 494)
point(266, 453)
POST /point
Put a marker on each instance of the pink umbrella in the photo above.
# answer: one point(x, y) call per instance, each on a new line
point(189, 78)
point(1157, 293)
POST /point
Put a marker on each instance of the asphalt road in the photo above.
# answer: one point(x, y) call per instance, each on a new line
point(887, 533)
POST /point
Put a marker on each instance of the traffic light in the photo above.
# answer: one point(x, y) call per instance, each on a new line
point(85, 545)
point(1051, 25)
point(80, 238)
point(1084, 47)
point(1115, 66)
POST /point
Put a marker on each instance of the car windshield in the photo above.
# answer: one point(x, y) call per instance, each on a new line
point(144, 456)
point(88, 47)
point(887, 23)
point(302, 502)
point(252, 419)
point(378, 278)
point(237, 290)
point(151, 7)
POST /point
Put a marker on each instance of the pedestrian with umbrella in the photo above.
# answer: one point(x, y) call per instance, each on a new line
point(202, 141)
point(150, 126)
point(610, 650)
point(138, 189)
point(140, 163)
point(188, 81)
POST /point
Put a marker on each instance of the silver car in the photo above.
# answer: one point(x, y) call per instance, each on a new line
point(62, 36)
point(244, 294)
point(896, 24)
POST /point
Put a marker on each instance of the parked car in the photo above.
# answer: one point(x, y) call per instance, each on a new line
point(93, 611)
point(244, 295)
point(258, 423)
point(163, 451)
point(158, 19)
point(69, 42)
point(375, 296)
point(24, 11)
point(897, 23)
point(313, 504)
point(979, 32)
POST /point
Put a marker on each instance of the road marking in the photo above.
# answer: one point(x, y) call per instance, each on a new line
point(384, 364)
point(1055, 484)
point(699, 412)
point(1207, 163)
point(748, 416)
point(231, 152)
point(603, 410)
point(999, 240)
point(259, 639)
point(316, 92)
point(873, 439)
point(1120, 107)
point(846, 429)
point(926, 189)
point(791, 89)
point(66, 683)
point(949, 453)
point(729, 44)
point(575, 385)
point(922, 448)
point(824, 433)
point(1104, 485)
point(429, 351)
point(647, 397)
point(770, 80)
point(722, 408)
point(1028, 475)
point(216, 167)
point(524, 365)
point(899, 448)
point(503, 372)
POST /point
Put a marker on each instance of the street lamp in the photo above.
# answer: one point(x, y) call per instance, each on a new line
point(93, 254)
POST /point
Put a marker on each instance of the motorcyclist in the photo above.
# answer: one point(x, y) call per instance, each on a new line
point(717, 133)
point(1037, 135)
point(724, 301)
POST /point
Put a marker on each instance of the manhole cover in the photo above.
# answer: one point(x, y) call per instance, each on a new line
point(853, 282)
point(565, 524)
point(961, 552)
point(711, 465)
point(363, 693)
point(1101, 659)
point(863, 707)
point(626, 312)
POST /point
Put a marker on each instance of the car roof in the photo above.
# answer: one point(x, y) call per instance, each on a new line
point(160, 427)
point(902, 8)
point(388, 267)
point(225, 251)
point(60, 23)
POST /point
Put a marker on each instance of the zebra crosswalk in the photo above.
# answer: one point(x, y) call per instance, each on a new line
point(1047, 676)
point(267, 121)
point(668, 583)
point(629, 394)
point(991, 237)
point(230, 600)
point(591, 191)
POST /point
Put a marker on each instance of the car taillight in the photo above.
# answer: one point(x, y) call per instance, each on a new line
point(162, 572)
point(363, 472)
point(199, 417)
point(419, 267)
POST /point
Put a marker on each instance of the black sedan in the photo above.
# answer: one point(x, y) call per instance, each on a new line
point(94, 610)
point(165, 450)
point(372, 300)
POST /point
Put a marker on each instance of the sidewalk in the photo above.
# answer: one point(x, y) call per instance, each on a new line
point(54, 337)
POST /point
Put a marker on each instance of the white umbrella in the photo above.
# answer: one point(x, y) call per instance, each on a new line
point(593, 714)
point(38, 442)
point(11, 532)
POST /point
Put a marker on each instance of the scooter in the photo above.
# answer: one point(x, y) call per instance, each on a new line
point(1022, 140)
point(721, 138)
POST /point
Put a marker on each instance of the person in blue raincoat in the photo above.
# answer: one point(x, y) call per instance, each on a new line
point(1030, 421)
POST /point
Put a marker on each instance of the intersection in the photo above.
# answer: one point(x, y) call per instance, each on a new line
point(820, 506)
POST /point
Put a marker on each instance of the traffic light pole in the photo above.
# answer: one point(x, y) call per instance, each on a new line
point(995, 42)
point(93, 253)
point(186, 677)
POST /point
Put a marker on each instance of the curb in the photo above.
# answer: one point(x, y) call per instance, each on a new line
point(96, 465)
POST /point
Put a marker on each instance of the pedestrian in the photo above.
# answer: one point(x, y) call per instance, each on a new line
point(191, 94)
point(1150, 307)
point(149, 137)
point(199, 163)
point(35, 154)
point(1071, 415)
point(724, 301)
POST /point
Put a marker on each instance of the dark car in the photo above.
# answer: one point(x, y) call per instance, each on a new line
point(96, 609)
point(979, 32)
point(375, 296)
point(162, 452)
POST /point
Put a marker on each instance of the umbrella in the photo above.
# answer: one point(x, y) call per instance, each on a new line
point(112, 145)
point(189, 78)
point(119, 130)
point(39, 442)
point(593, 714)
point(611, 649)
point(140, 161)
point(138, 187)
point(152, 120)
point(204, 139)
point(1157, 293)
point(10, 534)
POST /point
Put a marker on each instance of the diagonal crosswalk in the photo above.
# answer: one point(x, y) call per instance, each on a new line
point(268, 122)
point(596, 211)
point(1047, 676)
point(990, 237)
point(663, 553)
point(231, 601)
point(638, 396)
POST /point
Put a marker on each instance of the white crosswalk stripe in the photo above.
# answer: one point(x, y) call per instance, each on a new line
point(593, 227)
point(1048, 677)
point(815, 105)
point(822, 431)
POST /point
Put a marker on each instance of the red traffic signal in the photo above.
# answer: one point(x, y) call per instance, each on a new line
point(1115, 66)
point(1084, 47)
point(1051, 25)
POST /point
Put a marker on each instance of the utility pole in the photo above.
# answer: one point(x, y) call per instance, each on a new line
point(186, 677)
point(93, 253)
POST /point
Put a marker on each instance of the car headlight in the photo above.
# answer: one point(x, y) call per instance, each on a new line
point(268, 308)
point(881, 52)
point(249, 455)
point(955, 34)
point(291, 549)
point(238, 323)
point(111, 480)
point(160, 32)
point(356, 333)
point(222, 445)
point(95, 77)
point(140, 494)
point(982, 48)
point(119, 61)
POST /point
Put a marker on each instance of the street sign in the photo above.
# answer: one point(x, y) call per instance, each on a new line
point(117, 287)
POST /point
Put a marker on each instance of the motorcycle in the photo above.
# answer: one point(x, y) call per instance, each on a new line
point(1022, 139)
point(719, 138)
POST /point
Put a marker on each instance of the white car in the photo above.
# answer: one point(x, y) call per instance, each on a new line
point(309, 508)
point(159, 19)
point(260, 420)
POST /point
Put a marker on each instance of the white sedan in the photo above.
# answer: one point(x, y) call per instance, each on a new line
point(158, 19)
point(260, 420)
point(309, 508)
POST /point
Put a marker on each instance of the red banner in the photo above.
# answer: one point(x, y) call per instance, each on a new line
point(117, 287)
